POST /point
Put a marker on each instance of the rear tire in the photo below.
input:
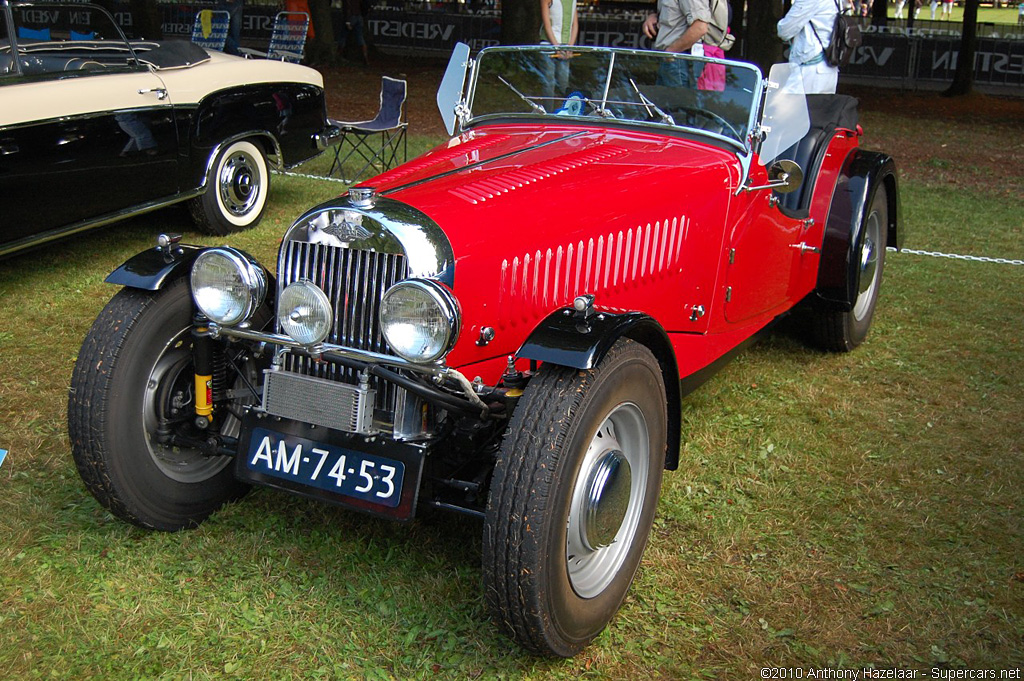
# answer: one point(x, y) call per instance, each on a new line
point(573, 497)
point(236, 191)
point(839, 331)
point(134, 368)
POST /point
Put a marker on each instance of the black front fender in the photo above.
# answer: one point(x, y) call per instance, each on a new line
point(863, 173)
point(566, 339)
point(151, 270)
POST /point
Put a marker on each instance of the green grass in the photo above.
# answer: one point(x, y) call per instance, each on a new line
point(988, 14)
point(829, 510)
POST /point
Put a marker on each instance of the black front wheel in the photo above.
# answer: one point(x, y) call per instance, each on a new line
point(572, 499)
point(132, 386)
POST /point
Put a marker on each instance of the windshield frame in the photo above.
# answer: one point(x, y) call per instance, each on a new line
point(599, 102)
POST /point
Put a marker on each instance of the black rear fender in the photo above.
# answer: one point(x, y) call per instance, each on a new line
point(863, 173)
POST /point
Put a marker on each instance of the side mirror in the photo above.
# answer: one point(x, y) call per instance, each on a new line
point(785, 176)
point(449, 93)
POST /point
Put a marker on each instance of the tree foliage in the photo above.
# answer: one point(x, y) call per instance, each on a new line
point(520, 22)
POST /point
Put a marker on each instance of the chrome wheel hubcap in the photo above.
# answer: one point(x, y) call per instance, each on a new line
point(170, 394)
point(869, 271)
point(239, 183)
point(607, 500)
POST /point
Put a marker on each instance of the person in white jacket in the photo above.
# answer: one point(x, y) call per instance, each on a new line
point(808, 27)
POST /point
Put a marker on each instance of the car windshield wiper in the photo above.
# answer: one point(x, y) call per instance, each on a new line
point(534, 106)
point(598, 109)
point(648, 104)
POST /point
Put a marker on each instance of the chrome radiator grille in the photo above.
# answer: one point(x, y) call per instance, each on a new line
point(354, 280)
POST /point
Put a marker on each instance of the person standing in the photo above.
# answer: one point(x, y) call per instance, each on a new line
point(947, 10)
point(1020, 14)
point(234, 10)
point(352, 12)
point(679, 26)
point(559, 26)
point(808, 27)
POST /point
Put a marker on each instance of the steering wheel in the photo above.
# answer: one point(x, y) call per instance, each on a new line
point(716, 121)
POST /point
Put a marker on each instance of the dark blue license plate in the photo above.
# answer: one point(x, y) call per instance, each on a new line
point(334, 469)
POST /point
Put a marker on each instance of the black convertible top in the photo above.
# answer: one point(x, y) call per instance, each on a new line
point(832, 111)
point(170, 54)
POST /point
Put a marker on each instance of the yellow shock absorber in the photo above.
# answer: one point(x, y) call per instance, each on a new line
point(204, 395)
point(202, 358)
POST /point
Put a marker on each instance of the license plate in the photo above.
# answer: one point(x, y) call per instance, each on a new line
point(334, 469)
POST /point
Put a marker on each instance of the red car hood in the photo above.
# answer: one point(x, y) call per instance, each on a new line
point(495, 181)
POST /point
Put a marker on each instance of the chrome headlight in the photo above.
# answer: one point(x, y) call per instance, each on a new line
point(228, 285)
point(419, 319)
point(304, 312)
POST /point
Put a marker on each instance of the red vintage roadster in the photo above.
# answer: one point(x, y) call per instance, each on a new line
point(503, 327)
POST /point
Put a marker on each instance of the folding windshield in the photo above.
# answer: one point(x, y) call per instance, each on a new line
point(54, 38)
point(658, 89)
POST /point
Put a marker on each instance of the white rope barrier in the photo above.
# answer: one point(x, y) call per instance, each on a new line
point(310, 177)
point(958, 256)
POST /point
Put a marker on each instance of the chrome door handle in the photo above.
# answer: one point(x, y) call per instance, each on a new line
point(8, 149)
point(804, 248)
point(161, 93)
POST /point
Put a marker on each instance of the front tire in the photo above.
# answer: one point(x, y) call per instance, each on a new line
point(134, 372)
point(573, 497)
point(236, 190)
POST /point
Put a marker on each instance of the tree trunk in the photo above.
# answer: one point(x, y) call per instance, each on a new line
point(736, 27)
point(763, 46)
point(520, 22)
point(322, 49)
point(880, 14)
point(146, 21)
point(963, 76)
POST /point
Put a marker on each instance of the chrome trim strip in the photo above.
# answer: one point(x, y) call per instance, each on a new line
point(389, 226)
point(275, 158)
point(84, 225)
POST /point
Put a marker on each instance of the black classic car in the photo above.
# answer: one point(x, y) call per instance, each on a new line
point(95, 128)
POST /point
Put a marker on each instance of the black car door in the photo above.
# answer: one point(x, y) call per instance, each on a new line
point(87, 134)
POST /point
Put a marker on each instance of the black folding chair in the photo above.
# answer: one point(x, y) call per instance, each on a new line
point(376, 142)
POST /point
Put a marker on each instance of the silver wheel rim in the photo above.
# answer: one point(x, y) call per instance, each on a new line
point(607, 500)
point(239, 182)
point(868, 263)
point(177, 463)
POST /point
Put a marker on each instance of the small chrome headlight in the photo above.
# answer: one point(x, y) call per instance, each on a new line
point(304, 312)
point(228, 285)
point(420, 320)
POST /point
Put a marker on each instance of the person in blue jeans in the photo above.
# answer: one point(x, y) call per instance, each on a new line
point(352, 12)
point(559, 26)
point(679, 26)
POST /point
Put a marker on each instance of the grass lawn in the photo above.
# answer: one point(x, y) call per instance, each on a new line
point(829, 511)
point(1007, 14)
